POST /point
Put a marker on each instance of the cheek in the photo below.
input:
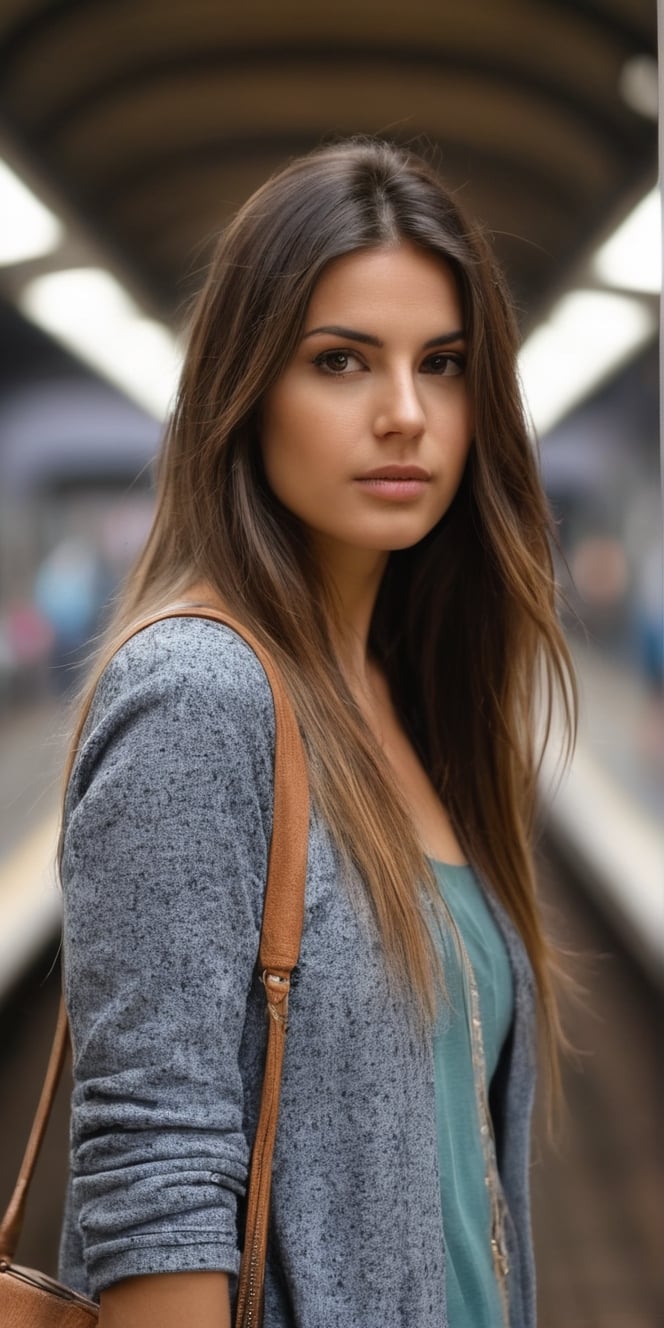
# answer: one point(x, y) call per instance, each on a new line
point(303, 432)
point(287, 440)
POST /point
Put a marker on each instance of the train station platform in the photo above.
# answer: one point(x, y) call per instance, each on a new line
point(596, 1190)
point(605, 811)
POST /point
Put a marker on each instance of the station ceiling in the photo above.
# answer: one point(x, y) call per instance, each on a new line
point(156, 118)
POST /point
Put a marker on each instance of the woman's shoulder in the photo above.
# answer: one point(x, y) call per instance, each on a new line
point(182, 683)
point(193, 655)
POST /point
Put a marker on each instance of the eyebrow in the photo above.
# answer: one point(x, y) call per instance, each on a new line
point(365, 338)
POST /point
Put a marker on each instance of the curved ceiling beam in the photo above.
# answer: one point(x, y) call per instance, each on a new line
point(607, 119)
point(593, 21)
point(557, 161)
point(105, 146)
point(638, 37)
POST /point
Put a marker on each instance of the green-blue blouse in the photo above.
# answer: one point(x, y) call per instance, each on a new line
point(472, 1291)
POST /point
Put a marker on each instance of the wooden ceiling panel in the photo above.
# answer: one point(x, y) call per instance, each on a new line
point(578, 62)
point(156, 118)
point(189, 110)
point(99, 37)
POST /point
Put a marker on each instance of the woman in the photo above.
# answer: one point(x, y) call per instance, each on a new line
point(347, 471)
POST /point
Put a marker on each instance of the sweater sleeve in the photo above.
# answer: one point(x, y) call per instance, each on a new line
point(167, 827)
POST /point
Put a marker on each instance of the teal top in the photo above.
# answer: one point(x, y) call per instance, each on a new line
point(472, 1291)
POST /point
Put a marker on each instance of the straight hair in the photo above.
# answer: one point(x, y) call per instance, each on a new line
point(465, 626)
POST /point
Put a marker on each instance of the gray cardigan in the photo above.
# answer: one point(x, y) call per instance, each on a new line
point(167, 829)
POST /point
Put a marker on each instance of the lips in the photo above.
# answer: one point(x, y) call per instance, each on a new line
point(394, 483)
point(396, 472)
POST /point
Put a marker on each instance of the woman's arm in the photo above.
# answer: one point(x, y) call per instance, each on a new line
point(167, 1300)
point(165, 852)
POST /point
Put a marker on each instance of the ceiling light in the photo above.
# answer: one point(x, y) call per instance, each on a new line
point(638, 85)
point(631, 258)
point(28, 229)
point(90, 313)
point(588, 335)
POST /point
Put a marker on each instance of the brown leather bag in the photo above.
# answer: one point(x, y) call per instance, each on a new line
point(29, 1299)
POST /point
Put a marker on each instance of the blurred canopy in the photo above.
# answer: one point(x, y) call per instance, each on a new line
point(155, 118)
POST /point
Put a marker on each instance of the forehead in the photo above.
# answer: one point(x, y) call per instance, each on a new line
point(395, 280)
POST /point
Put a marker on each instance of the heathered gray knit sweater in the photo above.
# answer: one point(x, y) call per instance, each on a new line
point(168, 822)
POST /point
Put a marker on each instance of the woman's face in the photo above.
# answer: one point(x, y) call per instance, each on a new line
point(365, 435)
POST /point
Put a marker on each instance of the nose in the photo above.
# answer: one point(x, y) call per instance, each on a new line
point(398, 408)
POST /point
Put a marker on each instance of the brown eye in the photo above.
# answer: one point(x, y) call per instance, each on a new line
point(445, 365)
point(337, 361)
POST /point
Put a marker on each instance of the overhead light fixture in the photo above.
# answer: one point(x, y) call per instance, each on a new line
point(631, 259)
point(587, 336)
point(91, 314)
point(28, 229)
point(638, 85)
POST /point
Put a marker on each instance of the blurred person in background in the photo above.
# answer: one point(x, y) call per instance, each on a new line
point(348, 472)
point(68, 591)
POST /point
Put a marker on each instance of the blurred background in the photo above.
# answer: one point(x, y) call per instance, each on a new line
point(129, 131)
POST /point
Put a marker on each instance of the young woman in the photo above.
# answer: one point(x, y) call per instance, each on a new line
point(348, 472)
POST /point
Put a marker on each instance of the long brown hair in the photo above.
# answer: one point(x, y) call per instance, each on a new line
point(465, 624)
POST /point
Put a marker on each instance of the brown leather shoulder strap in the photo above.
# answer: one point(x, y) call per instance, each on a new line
point(281, 932)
